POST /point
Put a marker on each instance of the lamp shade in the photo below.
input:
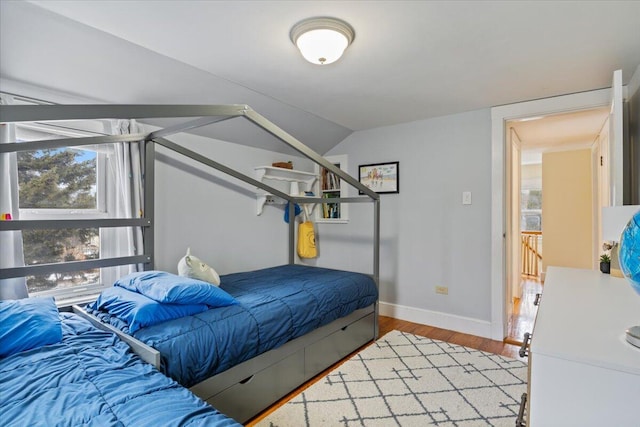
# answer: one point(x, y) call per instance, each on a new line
point(615, 219)
point(322, 41)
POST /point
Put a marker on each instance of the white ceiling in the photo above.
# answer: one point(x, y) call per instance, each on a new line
point(410, 60)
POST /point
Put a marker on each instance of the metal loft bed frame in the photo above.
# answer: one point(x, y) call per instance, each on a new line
point(244, 390)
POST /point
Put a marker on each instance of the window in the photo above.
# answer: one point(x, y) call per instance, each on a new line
point(531, 210)
point(63, 183)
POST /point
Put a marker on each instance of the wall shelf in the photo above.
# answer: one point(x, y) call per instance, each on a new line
point(295, 181)
point(282, 174)
point(330, 186)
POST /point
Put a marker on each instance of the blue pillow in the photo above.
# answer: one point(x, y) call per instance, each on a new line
point(27, 324)
point(138, 311)
point(173, 289)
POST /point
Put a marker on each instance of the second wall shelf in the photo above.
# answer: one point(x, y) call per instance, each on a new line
point(330, 186)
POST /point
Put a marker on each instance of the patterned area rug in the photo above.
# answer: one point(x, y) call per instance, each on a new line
point(406, 380)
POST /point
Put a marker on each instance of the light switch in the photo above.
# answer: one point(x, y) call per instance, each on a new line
point(466, 197)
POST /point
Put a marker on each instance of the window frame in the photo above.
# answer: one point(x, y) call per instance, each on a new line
point(62, 129)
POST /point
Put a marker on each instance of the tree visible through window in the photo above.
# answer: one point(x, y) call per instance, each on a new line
point(59, 184)
point(56, 179)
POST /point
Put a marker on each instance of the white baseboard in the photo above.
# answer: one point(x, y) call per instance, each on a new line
point(467, 325)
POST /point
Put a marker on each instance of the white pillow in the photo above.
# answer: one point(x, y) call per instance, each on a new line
point(190, 266)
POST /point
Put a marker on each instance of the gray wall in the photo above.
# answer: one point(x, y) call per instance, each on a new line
point(428, 237)
point(214, 214)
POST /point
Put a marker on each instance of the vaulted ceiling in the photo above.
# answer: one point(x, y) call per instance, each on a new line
point(410, 60)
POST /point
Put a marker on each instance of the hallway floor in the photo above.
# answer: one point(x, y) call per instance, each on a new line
point(524, 312)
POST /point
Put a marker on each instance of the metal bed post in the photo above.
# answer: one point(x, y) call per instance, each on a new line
point(292, 232)
point(148, 210)
point(376, 258)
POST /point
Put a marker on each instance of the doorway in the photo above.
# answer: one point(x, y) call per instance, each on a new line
point(562, 153)
point(499, 116)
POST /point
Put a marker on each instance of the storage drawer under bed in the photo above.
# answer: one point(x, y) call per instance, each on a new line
point(282, 370)
point(250, 396)
point(324, 353)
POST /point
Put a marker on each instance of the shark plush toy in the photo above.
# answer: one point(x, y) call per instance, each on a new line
point(191, 266)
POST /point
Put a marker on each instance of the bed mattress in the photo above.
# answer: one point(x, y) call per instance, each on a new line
point(92, 378)
point(276, 305)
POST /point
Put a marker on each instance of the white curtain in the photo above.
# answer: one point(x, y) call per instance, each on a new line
point(124, 200)
point(11, 254)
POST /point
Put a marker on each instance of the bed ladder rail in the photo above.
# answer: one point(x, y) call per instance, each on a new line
point(146, 353)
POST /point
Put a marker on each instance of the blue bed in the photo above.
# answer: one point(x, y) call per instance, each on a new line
point(92, 378)
point(275, 305)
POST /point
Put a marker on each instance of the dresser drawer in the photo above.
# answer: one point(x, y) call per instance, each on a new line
point(583, 373)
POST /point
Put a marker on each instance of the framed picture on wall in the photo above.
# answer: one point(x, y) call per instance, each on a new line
point(380, 177)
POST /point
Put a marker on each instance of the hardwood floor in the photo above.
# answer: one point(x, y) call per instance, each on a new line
point(388, 324)
point(524, 312)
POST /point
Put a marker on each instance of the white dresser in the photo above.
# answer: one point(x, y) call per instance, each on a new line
point(582, 370)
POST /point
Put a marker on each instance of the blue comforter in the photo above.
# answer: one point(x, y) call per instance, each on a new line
point(91, 378)
point(275, 305)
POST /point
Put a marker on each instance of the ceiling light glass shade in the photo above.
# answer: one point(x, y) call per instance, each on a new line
point(322, 46)
point(322, 40)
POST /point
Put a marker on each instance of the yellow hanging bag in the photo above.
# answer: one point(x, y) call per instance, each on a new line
point(307, 239)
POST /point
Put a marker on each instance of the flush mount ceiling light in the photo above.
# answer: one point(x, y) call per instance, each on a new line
point(322, 40)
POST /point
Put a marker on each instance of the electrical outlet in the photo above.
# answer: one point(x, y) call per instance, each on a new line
point(442, 290)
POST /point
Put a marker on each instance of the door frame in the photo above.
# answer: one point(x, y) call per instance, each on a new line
point(513, 242)
point(499, 116)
